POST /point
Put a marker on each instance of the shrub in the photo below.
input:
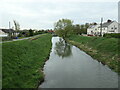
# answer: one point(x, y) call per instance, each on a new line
point(31, 32)
point(112, 35)
point(19, 35)
point(6, 38)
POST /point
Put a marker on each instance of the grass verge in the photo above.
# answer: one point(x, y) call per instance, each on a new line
point(105, 50)
point(23, 62)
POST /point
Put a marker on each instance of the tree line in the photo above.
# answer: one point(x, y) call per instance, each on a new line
point(28, 32)
point(65, 27)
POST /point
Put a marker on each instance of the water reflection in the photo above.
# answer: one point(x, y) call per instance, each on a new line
point(76, 71)
point(62, 49)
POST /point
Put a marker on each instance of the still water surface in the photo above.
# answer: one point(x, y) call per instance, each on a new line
point(70, 67)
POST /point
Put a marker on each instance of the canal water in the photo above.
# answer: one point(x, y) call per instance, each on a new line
point(70, 67)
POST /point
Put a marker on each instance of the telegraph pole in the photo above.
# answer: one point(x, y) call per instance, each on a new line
point(101, 27)
point(10, 34)
point(118, 29)
point(9, 25)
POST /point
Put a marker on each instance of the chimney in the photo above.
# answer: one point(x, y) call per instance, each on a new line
point(109, 20)
point(95, 23)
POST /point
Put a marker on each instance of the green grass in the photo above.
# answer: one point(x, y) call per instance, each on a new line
point(103, 49)
point(23, 62)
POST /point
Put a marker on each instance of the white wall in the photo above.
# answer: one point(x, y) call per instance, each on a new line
point(113, 28)
point(119, 28)
point(2, 34)
point(93, 31)
point(89, 31)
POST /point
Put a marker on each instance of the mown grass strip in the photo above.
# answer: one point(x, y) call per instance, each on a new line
point(23, 62)
point(103, 49)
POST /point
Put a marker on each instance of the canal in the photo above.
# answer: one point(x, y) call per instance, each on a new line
point(70, 67)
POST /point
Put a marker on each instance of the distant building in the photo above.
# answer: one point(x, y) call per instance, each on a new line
point(7, 32)
point(107, 27)
point(50, 31)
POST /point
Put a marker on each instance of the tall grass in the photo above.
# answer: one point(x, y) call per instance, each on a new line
point(23, 62)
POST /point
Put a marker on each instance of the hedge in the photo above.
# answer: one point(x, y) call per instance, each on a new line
point(112, 35)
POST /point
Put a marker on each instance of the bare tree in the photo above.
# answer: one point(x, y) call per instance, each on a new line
point(17, 25)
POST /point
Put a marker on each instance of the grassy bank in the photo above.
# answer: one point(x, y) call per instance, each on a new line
point(103, 49)
point(23, 62)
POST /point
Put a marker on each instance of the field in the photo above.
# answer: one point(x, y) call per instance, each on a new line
point(23, 62)
point(103, 49)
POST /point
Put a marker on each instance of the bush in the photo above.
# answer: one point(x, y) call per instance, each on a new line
point(112, 35)
point(19, 35)
point(6, 38)
point(31, 33)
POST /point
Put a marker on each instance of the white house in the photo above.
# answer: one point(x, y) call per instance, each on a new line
point(93, 30)
point(107, 27)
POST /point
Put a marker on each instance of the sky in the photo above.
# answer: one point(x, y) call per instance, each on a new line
point(42, 14)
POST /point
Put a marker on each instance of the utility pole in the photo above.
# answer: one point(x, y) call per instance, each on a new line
point(119, 16)
point(101, 27)
point(9, 25)
point(9, 29)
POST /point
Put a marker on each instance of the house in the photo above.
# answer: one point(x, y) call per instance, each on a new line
point(107, 27)
point(7, 32)
point(93, 30)
point(50, 31)
point(3, 34)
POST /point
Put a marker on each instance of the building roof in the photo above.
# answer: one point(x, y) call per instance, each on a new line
point(106, 24)
point(91, 26)
point(8, 30)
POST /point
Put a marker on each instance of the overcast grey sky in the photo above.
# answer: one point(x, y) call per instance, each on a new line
point(42, 14)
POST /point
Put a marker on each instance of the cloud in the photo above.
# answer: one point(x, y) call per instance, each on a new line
point(43, 13)
point(58, 1)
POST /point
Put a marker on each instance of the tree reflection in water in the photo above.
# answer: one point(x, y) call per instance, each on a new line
point(62, 48)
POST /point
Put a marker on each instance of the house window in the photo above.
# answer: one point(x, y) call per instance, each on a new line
point(112, 28)
point(112, 31)
point(115, 28)
point(91, 32)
